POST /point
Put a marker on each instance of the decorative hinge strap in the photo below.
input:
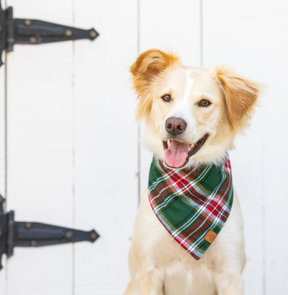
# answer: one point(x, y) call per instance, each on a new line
point(35, 234)
point(31, 31)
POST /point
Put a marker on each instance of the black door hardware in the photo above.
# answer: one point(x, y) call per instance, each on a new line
point(34, 234)
point(30, 31)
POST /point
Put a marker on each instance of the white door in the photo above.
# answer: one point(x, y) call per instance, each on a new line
point(69, 145)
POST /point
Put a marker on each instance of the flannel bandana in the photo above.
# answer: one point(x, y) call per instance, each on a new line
point(193, 205)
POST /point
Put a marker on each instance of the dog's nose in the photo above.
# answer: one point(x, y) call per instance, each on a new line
point(175, 126)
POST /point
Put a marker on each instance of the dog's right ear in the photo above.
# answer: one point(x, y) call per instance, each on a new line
point(147, 66)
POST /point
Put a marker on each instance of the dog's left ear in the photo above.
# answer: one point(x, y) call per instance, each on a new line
point(148, 65)
point(240, 94)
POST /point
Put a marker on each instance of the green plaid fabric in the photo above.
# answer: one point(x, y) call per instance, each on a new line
point(191, 203)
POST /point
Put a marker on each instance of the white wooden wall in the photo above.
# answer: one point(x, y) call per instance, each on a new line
point(69, 152)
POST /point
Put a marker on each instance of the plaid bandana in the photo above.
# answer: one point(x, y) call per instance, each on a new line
point(193, 205)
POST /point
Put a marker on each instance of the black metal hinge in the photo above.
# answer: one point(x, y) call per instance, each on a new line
point(31, 31)
point(34, 234)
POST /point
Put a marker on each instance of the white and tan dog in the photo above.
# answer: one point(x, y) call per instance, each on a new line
point(192, 116)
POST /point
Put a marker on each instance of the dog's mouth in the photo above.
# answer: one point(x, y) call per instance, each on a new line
point(177, 153)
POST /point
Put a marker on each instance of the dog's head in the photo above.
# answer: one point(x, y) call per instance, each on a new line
point(192, 114)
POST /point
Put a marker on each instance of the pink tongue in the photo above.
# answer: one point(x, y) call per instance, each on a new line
point(176, 154)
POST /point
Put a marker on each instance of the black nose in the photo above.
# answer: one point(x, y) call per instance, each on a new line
point(175, 126)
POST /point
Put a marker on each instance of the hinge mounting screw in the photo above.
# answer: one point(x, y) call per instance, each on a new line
point(68, 33)
point(33, 243)
point(33, 40)
point(93, 34)
point(69, 235)
point(28, 225)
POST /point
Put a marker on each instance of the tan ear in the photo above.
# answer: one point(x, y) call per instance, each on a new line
point(148, 65)
point(240, 94)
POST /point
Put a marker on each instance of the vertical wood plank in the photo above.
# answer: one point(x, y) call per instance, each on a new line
point(250, 36)
point(2, 157)
point(105, 144)
point(39, 96)
point(272, 23)
point(167, 25)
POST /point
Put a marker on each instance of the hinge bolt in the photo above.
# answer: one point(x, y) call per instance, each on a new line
point(68, 33)
point(28, 225)
point(93, 34)
point(33, 40)
point(33, 243)
point(93, 236)
point(69, 235)
point(27, 22)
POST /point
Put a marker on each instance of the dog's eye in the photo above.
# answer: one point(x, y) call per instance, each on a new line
point(204, 103)
point(166, 97)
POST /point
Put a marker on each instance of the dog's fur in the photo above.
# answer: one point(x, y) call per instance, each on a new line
point(158, 264)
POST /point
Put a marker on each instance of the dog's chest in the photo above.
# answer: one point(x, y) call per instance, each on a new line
point(188, 280)
point(179, 272)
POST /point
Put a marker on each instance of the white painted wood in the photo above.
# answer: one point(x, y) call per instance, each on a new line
point(167, 25)
point(250, 36)
point(2, 127)
point(272, 48)
point(40, 150)
point(105, 144)
point(2, 156)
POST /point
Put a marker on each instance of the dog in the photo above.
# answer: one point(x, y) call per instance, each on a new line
point(192, 115)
